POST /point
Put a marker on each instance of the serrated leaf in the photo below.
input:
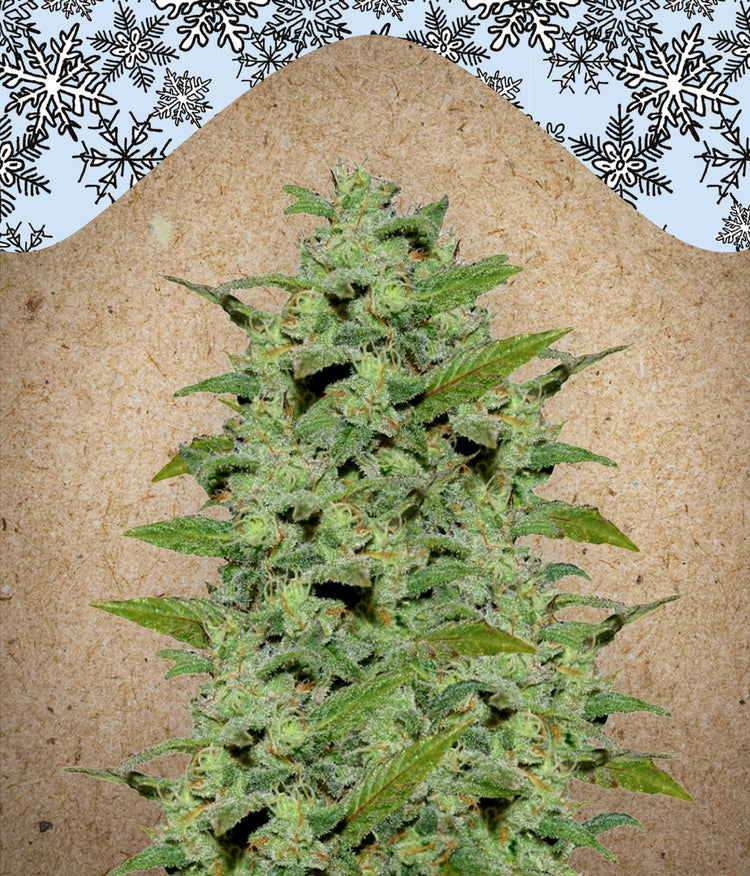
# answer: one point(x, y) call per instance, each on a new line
point(418, 228)
point(199, 447)
point(155, 856)
point(546, 385)
point(194, 534)
point(610, 820)
point(477, 639)
point(554, 571)
point(352, 705)
point(641, 774)
point(548, 455)
point(557, 827)
point(391, 783)
point(439, 572)
point(308, 201)
point(609, 703)
point(576, 522)
point(471, 373)
point(240, 313)
point(148, 787)
point(179, 617)
point(242, 385)
point(463, 284)
point(435, 212)
point(185, 662)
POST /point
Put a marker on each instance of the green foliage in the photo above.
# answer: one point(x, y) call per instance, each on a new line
point(384, 686)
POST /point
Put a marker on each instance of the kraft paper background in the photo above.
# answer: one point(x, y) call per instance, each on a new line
point(95, 342)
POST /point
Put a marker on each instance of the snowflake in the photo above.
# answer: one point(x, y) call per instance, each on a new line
point(736, 230)
point(11, 238)
point(736, 43)
point(183, 96)
point(133, 46)
point(51, 78)
point(692, 7)
point(452, 42)
point(16, 24)
point(381, 7)
point(738, 162)
point(619, 24)
point(16, 172)
point(523, 16)
point(622, 162)
point(70, 7)
point(205, 17)
point(578, 59)
point(309, 23)
point(503, 85)
point(677, 84)
point(123, 158)
point(268, 55)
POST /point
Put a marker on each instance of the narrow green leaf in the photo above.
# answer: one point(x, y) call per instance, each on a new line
point(608, 703)
point(418, 228)
point(308, 201)
point(352, 705)
point(193, 534)
point(391, 783)
point(548, 384)
point(240, 313)
point(198, 449)
point(443, 571)
point(435, 212)
point(555, 571)
point(185, 662)
point(577, 522)
point(155, 856)
point(641, 774)
point(557, 827)
point(176, 745)
point(477, 639)
point(463, 284)
point(179, 617)
point(243, 385)
point(548, 455)
point(610, 820)
point(148, 787)
point(471, 373)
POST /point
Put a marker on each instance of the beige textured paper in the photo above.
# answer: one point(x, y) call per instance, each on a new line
point(95, 343)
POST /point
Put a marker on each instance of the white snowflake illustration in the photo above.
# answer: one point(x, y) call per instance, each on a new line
point(266, 55)
point(622, 162)
point(183, 98)
point(124, 158)
point(11, 238)
point(736, 230)
point(70, 7)
point(311, 23)
point(736, 161)
point(577, 58)
point(451, 41)
point(381, 7)
point(677, 84)
point(619, 25)
point(55, 84)
point(133, 47)
point(505, 86)
point(692, 7)
point(16, 24)
point(206, 17)
point(516, 17)
point(738, 44)
point(17, 173)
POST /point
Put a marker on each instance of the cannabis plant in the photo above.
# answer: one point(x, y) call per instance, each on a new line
point(388, 688)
